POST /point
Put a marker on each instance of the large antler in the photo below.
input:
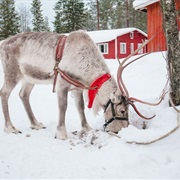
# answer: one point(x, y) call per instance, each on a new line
point(123, 88)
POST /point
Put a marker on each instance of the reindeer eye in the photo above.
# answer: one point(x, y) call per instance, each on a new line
point(113, 100)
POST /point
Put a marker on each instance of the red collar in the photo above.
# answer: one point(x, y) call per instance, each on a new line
point(97, 83)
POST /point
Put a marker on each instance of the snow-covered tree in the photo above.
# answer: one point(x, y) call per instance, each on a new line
point(70, 15)
point(91, 16)
point(113, 14)
point(9, 20)
point(38, 20)
point(59, 16)
point(46, 24)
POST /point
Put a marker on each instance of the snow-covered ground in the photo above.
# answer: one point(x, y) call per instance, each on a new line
point(36, 154)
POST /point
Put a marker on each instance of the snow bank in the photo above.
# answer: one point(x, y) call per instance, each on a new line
point(36, 154)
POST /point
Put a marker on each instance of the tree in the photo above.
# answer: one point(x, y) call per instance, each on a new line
point(38, 20)
point(173, 47)
point(91, 16)
point(25, 18)
point(105, 12)
point(114, 14)
point(46, 24)
point(69, 15)
point(58, 22)
point(9, 20)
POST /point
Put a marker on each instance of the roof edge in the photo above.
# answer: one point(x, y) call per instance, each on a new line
point(116, 34)
point(143, 5)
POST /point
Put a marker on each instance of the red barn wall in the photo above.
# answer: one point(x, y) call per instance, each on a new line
point(155, 27)
point(138, 38)
point(112, 46)
point(111, 50)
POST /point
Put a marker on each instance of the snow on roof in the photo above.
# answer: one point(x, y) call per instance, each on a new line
point(108, 35)
point(141, 4)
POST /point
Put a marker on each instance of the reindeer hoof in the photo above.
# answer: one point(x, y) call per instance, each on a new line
point(86, 129)
point(62, 135)
point(11, 129)
point(38, 126)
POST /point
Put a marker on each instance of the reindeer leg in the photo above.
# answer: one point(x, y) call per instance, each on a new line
point(78, 96)
point(61, 132)
point(24, 95)
point(5, 93)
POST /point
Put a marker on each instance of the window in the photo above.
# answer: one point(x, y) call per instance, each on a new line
point(103, 48)
point(132, 47)
point(122, 48)
point(132, 35)
point(140, 51)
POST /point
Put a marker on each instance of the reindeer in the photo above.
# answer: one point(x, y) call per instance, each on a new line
point(30, 58)
point(71, 63)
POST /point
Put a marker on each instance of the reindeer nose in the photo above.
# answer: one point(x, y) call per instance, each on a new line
point(122, 111)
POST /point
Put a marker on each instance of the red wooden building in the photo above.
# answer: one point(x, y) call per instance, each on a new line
point(118, 42)
point(155, 23)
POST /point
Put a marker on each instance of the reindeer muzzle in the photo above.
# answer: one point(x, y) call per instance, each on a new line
point(114, 117)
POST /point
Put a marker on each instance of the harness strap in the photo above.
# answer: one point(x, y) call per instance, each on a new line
point(60, 47)
point(112, 119)
point(59, 54)
point(113, 115)
point(72, 81)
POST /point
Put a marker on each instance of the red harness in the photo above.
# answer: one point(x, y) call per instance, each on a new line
point(97, 83)
point(94, 87)
point(60, 47)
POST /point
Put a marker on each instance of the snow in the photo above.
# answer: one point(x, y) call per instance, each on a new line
point(101, 36)
point(36, 154)
point(141, 4)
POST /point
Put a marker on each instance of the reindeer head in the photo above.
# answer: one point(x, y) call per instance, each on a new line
point(116, 113)
point(116, 110)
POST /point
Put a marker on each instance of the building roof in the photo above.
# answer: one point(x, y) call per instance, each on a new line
point(142, 4)
point(101, 36)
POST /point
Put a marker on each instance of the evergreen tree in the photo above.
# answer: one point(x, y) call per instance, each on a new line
point(9, 20)
point(46, 24)
point(117, 18)
point(115, 14)
point(137, 19)
point(70, 15)
point(38, 20)
point(91, 16)
point(59, 16)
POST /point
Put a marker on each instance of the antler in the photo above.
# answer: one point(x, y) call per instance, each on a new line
point(123, 88)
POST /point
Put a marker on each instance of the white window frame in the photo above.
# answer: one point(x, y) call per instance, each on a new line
point(106, 48)
point(132, 47)
point(131, 35)
point(123, 48)
point(140, 51)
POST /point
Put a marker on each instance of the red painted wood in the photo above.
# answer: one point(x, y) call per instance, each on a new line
point(111, 50)
point(155, 27)
point(138, 38)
